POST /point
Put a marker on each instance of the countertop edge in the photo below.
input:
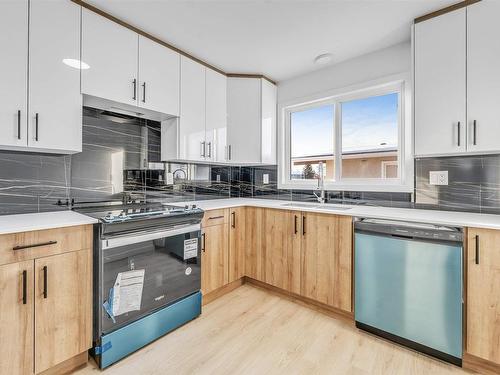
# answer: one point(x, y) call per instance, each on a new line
point(438, 217)
point(18, 223)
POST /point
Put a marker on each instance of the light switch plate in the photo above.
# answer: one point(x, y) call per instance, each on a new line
point(265, 178)
point(438, 177)
point(169, 178)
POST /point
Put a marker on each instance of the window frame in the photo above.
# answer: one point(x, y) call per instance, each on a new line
point(404, 181)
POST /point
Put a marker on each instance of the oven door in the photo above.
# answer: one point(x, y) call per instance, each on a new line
point(143, 272)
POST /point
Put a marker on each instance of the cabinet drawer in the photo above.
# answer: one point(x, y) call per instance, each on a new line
point(215, 217)
point(18, 247)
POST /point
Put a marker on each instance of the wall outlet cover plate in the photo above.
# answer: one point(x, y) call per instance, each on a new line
point(265, 178)
point(438, 177)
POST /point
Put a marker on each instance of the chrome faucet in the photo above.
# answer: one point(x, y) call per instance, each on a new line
point(321, 185)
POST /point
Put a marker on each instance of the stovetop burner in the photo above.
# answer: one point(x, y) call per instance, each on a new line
point(136, 212)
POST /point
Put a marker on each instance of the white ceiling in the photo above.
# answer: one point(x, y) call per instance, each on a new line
point(277, 38)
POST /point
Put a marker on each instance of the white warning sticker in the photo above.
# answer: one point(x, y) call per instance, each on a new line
point(190, 248)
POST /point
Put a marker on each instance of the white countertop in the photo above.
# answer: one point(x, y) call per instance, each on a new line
point(42, 220)
point(451, 218)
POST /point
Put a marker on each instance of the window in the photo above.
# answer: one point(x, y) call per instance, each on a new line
point(369, 136)
point(359, 137)
point(311, 136)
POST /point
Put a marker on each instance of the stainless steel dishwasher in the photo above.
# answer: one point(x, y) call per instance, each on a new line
point(408, 285)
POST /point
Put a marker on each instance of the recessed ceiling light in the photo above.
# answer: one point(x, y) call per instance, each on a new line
point(74, 63)
point(322, 59)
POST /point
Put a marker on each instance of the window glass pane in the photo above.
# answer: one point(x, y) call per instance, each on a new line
point(370, 137)
point(311, 140)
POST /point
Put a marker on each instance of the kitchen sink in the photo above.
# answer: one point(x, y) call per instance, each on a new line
point(325, 206)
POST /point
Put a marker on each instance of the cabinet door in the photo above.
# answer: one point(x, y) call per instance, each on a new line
point(159, 77)
point(277, 235)
point(192, 145)
point(483, 299)
point(16, 318)
point(214, 261)
point(483, 77)
point(63, 307)
point(237, 243)
point(268, 123)
point(255, 265)
point(55, 101)
point(326, 259)
point(110, 51)
point(440, 84)
point(216, 115)
point(13, 72)
point(244, 120)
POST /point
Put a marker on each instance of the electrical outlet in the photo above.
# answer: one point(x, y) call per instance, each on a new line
point(265, 178)
point(218, 178)
point(438, 177)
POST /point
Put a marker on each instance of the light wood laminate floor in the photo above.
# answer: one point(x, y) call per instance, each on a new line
point(253, 331)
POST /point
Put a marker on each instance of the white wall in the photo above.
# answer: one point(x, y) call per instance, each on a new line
point(379, 64)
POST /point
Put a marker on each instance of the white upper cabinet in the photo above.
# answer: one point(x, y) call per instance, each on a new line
point(268, 121)
point(111, 51)
point(13, 72)
point(216, 116)
point(483, 76)
point(251, 107)
point(440, 85)
point(192, 144)
point(42, 113)
point(159, 75)
point(55, 114)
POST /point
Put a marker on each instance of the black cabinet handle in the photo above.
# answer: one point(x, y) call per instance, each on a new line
point(203, 242)
point(295, 224)
point(229, 152)
point(477, 249)
point(45, 276)
point(19, 124)
point(474, 142)
point(233, 219)
point(25, 287)
point(21, 247)
point(134, 83)
point(144, 92)
point(36, 127)
point(303, 225)
point(216, 217)
point(458, 127)
point(209, 145)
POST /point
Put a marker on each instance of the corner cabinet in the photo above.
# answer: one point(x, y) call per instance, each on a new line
point(457, 82)
point(46, 299)
point(42, 113)
point(251, 134)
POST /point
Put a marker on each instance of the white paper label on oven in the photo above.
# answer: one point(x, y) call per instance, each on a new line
point(127, 292)
point(190, 248)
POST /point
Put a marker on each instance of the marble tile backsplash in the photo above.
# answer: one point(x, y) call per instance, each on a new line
point(121, 156)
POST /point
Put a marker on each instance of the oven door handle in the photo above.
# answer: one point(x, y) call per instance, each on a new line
point(148, 236)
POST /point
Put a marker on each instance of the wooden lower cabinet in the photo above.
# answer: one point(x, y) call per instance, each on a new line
point(214, 257)
point(277, 233)
point(326, 259)
point(255, 265)
point(16, 318)
point(63, 307)
point(483, 294)
point(237, 243)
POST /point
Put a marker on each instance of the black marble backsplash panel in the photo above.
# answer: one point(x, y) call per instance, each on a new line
point(473, 183)
point(121, 156)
